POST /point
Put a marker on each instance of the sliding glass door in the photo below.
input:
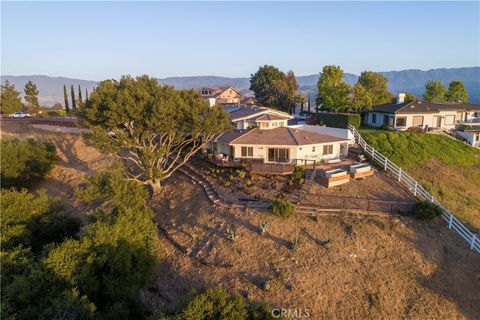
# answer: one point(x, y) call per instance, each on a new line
point(278, 155)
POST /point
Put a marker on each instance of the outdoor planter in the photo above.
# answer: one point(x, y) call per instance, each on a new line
point(334, 177)
point(361, 170)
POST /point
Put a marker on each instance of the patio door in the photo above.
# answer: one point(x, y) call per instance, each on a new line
point(437, 121)
point(278, 155)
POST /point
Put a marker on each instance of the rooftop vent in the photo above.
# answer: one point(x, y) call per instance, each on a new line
point(401, 98)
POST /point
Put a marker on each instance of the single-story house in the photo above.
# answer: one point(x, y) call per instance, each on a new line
point(470, 132)
point(262, 134)
point(426, 115)
point(221, 95)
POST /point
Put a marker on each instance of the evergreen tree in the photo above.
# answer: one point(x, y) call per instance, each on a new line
point(31, 96)
point(65, 96)
point(80, 94)
point(333, 91)
point(457, 91)
point(10, 99)
point(74, 104)
point(435, 91)
point(377, 87)
point(86, 95)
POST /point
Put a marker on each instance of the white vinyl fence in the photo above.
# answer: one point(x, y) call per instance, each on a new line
point(417, 190)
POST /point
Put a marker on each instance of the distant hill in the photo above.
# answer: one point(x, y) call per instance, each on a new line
point(51, 88)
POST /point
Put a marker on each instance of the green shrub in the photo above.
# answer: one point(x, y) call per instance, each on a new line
point(111, 186)
point(426, 210)
point(227, 184)
point(213, 304)
point(339, 120)
point(299, 173)
point(282, 207)
point(25, 160)
point(242, 174)
point(33, 220)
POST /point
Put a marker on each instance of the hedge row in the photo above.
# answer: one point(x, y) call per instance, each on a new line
point(338, 120)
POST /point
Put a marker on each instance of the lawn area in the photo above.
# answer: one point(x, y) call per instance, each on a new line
point(447, 168)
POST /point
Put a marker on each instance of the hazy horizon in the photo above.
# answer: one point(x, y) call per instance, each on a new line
point(101, 40)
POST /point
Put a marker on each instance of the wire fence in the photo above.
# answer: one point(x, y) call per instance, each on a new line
point(417, 190)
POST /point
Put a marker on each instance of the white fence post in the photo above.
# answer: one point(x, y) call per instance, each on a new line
point(450, 220)
point(385, 164)
point(472, 243)
point(415, 189)
point(399, 174)
point(431, 198)
point(373, 154)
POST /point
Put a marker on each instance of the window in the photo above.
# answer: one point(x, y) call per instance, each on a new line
point(401, 122)
point(313, 149)
point(449, 120)
point(247, 151)
point(328, 149)
point(374, 118)
point(417, 121)
point(278, 155)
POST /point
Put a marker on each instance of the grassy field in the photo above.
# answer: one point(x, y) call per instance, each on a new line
point(447, 168)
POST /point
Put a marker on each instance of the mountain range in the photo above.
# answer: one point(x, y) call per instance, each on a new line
point(412, 80)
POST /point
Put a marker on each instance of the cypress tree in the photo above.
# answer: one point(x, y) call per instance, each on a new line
point(79, 93)
point(65, 96)
point(86, 95)
point(74, 105)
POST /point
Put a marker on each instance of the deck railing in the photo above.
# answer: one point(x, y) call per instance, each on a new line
point(417, 190)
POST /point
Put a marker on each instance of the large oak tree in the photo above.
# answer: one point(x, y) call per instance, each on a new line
point(154, 129)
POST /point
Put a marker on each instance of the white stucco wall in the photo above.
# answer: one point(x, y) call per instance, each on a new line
point(297, 152)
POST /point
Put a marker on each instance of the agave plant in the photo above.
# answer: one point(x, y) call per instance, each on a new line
point(231, 235)
point(296, 242)
point(263, 227)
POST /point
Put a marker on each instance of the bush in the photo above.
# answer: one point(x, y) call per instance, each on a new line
point(282, 207)
point(111, 186)
point(339, 120)
point(26, 160)
point(33, 220)
point(426, 210)
point(299, 173)
point(217, 303)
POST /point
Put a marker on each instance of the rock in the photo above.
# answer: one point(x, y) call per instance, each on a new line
point(266, 285)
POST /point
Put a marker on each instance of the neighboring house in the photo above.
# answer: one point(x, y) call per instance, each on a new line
point(221, 95)
point(262, 134)
point(426, 115)
point(248, 101)
point(470, 132)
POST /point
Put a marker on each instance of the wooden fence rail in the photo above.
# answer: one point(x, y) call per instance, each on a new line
point(417, 190)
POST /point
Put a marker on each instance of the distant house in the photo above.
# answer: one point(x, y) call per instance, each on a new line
point(248, 101)
point(221, 95)
point(470, 132)
point(262, 134)
point(426, 115)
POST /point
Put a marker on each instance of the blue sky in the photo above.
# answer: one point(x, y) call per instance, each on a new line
point(92, 40)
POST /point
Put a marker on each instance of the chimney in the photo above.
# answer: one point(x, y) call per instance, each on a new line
point(401, 98)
